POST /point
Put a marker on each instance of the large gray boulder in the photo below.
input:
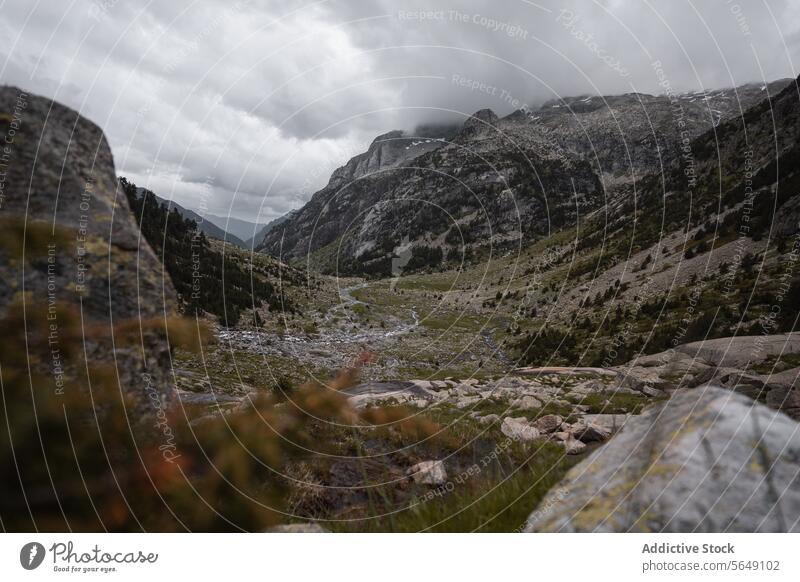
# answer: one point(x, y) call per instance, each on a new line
point(707, 460)
point(59, 176)
point(741, 351)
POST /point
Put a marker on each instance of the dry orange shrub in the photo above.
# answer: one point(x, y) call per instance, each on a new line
point(88, 458)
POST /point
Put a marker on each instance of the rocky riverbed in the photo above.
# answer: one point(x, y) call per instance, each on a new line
point(502, 417)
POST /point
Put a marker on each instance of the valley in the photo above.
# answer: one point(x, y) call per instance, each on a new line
point(463, 365)
point(444, 347)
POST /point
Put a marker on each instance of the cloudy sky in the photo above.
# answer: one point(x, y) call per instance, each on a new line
point(246, 107)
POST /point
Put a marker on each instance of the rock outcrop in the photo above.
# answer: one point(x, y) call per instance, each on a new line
point(728, 352)
point(707, 460)
point(59, 177)
point(750, 365)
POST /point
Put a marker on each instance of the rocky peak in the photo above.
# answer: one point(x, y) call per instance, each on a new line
point(393, 149)
point(385, 138)
point(479, 122)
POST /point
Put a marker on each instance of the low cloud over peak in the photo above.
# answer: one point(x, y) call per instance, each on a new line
point(252, 104)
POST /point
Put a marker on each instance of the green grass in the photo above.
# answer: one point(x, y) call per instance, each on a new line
point(450, 322)
point(227, 370)
point(428, 282)
point(766, 367)
point(605, 403)
point(490, 406)
point(360, 309)
point(490, 500)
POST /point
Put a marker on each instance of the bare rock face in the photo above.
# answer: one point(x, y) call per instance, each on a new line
point(707, 460)
point(59, 176)
point(498, 179)
point(739, 352)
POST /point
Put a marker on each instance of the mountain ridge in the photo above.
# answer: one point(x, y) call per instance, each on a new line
point(204, 224)
point(527, 173)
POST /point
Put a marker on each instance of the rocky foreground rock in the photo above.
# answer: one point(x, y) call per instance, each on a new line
point(707, 460)
point(59, 177)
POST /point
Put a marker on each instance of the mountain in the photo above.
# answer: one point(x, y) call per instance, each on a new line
point(204, 223)
point(497, 183)
point(254, 240)
point(95, 421)
point(706, 249)
point(244, 230)
point(580, 346)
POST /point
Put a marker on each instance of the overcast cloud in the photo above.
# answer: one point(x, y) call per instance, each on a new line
point(262, 99)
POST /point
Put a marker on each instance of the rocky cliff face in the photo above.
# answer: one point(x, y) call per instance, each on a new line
point(498, 182)
point(60, 179)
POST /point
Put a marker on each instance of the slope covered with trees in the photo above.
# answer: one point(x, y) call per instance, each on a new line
point(206, 280)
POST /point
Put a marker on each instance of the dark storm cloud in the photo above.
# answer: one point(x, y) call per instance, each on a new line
point(250, 105)
point(499, 54)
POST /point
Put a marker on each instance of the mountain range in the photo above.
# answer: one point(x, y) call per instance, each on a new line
point(593, 288)
point(495, 184)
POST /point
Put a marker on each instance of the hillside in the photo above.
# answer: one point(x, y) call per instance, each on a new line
point(713, 230)
point(497, 184)
point(204, 223)
point(210, 278)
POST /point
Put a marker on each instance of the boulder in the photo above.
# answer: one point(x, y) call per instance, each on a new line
point(789, 378)
point(590, 432)
point(548, 423)
point(61, 177)
point(739, 352)
point(573, 446)
point(589, 387)
point(707, 460)
point(489, 419)
point(728, 352)
point(673, 363)
point(519, 429)
point(785, 398)
point(743, 382)
point(783, 391)
point(527, 403)
point(467, 401)
point(428, 473)
point(423, 384)
point(610, 422)
point(643, 380)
